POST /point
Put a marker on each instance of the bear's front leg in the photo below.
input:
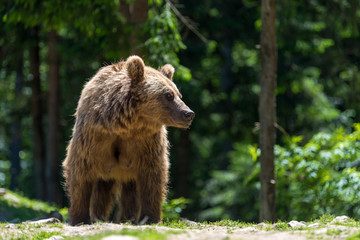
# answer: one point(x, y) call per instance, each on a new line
point(152, 190)
point(129, 202)
point(102, 200)
point(79, 192)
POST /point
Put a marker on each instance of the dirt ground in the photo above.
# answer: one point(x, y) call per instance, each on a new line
point(328, 231)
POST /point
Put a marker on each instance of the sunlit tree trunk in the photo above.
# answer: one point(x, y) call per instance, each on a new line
point(267, 110)
point(15, 145)
point(53, 163)
point(37, 117)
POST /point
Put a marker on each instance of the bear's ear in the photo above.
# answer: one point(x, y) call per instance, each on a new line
point(135, 67)
point(168, 70)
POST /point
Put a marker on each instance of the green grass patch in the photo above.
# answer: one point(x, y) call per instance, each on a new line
point(202, 225)
point(282, 226)
point(230, 223)
point(29, 231)
point(43, 235)
point(30, 235)
point(333, 232)
point(355, 236)
point(180, 225)
point(146, 234)
point(325, 219)
point(349, 223)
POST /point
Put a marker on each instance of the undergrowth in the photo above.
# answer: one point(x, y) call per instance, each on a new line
point(14, 207)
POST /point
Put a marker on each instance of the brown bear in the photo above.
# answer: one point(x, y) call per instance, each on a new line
point(118, 153)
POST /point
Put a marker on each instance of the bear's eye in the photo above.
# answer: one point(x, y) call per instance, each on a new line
point(169, 96)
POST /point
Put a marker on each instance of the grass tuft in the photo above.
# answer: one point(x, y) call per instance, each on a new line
point(355, 236)
point(326, 218)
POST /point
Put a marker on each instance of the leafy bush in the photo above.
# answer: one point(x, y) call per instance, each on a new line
point(233, 193)
point(173, 208)
point(320, 176)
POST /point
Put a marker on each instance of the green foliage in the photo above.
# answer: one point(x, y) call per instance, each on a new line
point(282, 226)
point(173, 208)
point(326, 218)
point(321, 176)
point(164, 40)
point(315, 178)
point(308, 44)
point(232, 193)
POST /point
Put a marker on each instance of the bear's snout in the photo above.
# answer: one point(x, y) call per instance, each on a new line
point(189, 115)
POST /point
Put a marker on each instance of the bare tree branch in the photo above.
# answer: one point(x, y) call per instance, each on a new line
point(186, 21)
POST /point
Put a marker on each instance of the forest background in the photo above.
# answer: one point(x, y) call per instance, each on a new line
point(50, 48)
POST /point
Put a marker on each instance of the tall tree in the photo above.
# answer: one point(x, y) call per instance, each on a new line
point(53, 163)
point(15, 145)
point(37, 117)
point(134, 13)
point(267, 110)
point(183, 158)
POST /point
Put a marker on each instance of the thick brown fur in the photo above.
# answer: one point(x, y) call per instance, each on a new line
point(118, 153)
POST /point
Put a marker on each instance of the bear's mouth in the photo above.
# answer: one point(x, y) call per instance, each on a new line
point(183, 124)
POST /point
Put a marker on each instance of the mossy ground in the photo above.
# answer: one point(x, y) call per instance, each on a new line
point(15, 207)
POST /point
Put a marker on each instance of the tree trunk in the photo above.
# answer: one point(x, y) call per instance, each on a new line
point(53, 163)
point(139, 11)
point(183, 157)
point(135, 13)
point(37, 118)
point(267, 110)
point(15, 145)
point(226, 106)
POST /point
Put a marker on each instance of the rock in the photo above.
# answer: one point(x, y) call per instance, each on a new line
point(15, 220)
point(55, 238)
point(2, 191)
point(11, 198)
point(120, 237)
point(44, 221)
point(52, 214)
point(187, 221)
point(296, 224)
point(11, 225)
point(314, 225)
point(321, 230)
point(340, 219)
point(262, 225)
point(55, 214)
point(247, 229)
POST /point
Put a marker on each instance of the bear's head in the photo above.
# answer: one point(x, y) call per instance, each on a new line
point(158, 97)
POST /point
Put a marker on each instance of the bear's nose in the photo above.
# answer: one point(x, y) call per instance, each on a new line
point(189, 115)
